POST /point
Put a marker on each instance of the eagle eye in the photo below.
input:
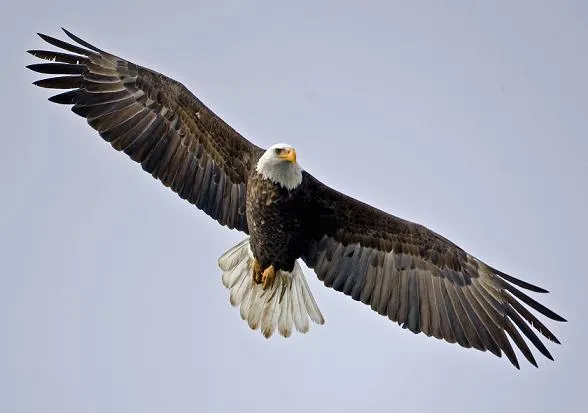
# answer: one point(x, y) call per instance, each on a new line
point(278, 151)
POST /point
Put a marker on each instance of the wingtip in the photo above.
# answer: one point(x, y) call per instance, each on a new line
point(35, 67)
point(513, 360)
point(523, 284)
point(46, 38)
point(81, 41)
point(532, 360)
point(67, 98)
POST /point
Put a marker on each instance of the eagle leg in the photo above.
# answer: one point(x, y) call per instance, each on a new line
point(256, 267)
point(268, 276)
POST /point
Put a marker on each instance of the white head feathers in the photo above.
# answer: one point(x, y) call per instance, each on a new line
point(278, 164)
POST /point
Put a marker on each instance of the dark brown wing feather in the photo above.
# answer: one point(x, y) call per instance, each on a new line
point(158, 123)
point(418, 278)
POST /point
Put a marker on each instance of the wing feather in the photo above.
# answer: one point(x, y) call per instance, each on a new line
point(157, 122)
point(419, 279)
point(425, 303)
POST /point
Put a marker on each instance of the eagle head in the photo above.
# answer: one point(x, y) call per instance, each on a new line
point(278, 164)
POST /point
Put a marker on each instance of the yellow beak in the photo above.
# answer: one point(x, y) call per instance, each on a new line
point(288, 154)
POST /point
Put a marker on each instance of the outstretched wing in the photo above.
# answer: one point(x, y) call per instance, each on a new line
point(418, 278)
point(157, 122)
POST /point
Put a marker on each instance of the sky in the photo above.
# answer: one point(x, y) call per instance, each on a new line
point(469, 117)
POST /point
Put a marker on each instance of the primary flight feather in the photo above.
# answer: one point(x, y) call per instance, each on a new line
point(400, 269)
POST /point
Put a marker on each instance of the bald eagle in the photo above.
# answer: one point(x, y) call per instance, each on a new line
point(401, 269)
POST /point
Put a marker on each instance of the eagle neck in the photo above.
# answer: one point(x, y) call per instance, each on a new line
point(285, 174)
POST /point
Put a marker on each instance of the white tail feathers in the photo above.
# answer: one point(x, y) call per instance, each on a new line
point(287, 303)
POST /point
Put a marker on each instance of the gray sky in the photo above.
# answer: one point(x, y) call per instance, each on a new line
point(470, 118)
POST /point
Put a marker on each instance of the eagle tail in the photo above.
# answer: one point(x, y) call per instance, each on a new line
point(286, 304)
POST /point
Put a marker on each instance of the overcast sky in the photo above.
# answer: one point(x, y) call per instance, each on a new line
point(470, 118)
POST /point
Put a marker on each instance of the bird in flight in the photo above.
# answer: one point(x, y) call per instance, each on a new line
point(401, 269)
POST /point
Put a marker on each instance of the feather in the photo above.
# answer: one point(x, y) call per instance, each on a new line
point(357, 272)
point(398, 305)
point(256, 305)
point(151, 161)
point(66, 46)
point(412, 305)
point(519, 341)
point(488, 330)
point(370, 278)
point(309, 302)
point(234, 255)
point(534, 304)
point(106, 88)
point(469, 332)
point(82, 42)
point(270, 313)
point(433, 286)
point(386, 287)
point(531, 319)
point(242, 290)
point(57, 68)
point(300, 314)
point(349, 257)
point(446, 329)
point(61, 82)
point(60, 57)
point(285, 321)
point(287, 302)
point(452, 316)
point(424, 303)
point(435, 308)
point(498, 333)
point(527, 331)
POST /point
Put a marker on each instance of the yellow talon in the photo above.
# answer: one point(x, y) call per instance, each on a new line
point(256, 267)
point(268, 276)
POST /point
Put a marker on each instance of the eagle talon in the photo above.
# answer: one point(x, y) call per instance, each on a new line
point(268, 276)
point(256, 267)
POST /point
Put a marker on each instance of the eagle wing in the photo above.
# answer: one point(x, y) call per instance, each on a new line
point(418, 278)
point(158, 122)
